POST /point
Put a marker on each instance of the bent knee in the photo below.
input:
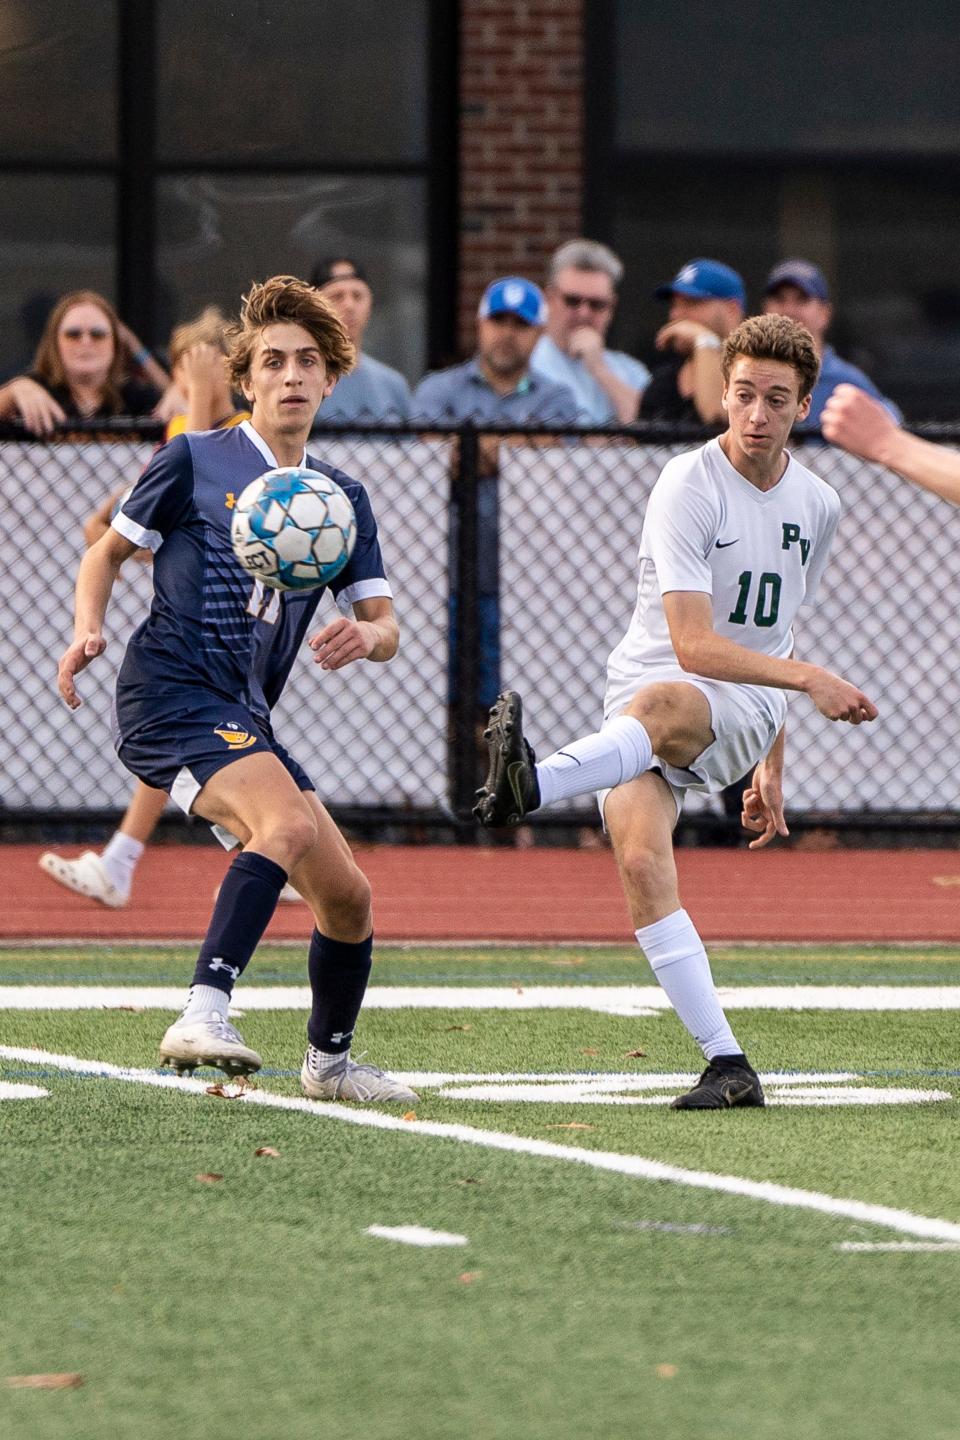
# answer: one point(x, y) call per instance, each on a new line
point(644, 869)
point(294, 837)
point(350, 909)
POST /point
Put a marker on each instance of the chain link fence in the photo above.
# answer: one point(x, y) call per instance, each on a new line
point(398, 745)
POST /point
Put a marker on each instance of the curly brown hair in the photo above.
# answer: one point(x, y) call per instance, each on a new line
point(284, 299)
point(773, 337)
point(48, 363)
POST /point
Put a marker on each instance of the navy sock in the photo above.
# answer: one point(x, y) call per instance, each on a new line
point(247, 899)
point(339, 971)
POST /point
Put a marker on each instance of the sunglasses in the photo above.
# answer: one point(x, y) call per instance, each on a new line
point(95, 333)
point(575, 301)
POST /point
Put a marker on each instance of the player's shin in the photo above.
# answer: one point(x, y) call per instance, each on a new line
point(247, 900)
point(619, 752)
point(339, 971)
point(677, 957)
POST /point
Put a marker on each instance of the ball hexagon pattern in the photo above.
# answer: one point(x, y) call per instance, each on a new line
point(293, 528)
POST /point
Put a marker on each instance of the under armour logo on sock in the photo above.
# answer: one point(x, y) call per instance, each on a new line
point(338, 1037)
point(217, 964)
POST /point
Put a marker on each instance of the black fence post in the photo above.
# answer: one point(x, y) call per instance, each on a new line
point(465, 629)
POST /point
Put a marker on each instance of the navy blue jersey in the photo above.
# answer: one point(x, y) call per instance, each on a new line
point(212, 625)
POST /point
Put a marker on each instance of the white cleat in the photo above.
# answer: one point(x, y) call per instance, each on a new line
point(288, 895)
point(207, 1040)
point(348, 1080)
point(86, 876)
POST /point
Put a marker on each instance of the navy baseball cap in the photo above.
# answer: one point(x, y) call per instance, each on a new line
point(514, 296)
point(705, 280)
point(804, 274)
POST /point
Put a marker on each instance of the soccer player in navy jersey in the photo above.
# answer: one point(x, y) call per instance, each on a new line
point(200, 674)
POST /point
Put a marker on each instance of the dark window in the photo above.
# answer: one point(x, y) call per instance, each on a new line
point(216, 233)
point(306, 82)
point(58, 236)
point(57, 78)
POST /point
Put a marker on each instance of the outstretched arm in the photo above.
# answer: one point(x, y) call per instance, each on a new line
point(99, 569)
point(858, 423)
point(701, 651)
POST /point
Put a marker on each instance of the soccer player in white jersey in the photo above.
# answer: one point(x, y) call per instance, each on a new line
point(735, 539)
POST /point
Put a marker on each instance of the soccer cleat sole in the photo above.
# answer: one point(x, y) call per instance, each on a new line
point(229, 1064)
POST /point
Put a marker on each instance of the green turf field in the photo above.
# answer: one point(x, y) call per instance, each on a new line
point(586, 1302)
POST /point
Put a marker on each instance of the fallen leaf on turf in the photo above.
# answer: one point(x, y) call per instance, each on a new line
point(635, 1054)
point(67, 1381)
point(589, 1052)
point(518, 989)
point(134, 1009)
point(223, 1090)
point(468, 1276)
point(409, 1114)
point(458, 1027)
point(665, 1372)
point(469, 1180)
point(268, 1150)
point(570, 1125)
point(208, 1178)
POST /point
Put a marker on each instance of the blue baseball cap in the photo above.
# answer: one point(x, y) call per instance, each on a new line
point(514, 296)
point(704, 280)
point(804, 274)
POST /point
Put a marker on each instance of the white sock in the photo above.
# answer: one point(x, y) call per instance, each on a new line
point(119, 858)
point(679, 961)
point(204, 998)
point(327, 1060)
point(619, 752)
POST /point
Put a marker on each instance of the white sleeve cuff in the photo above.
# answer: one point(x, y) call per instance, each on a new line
point(363, 590)
point(136, 534)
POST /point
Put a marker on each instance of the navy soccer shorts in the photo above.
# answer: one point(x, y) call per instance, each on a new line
point(177, 749)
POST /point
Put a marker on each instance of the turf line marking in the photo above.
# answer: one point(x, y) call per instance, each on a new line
point(629, 1000)
point(905, 1221)
point(926, 1247)
point(15, 1091)
point(415, 1235)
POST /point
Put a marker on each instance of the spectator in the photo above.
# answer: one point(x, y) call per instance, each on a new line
point(80, 370)
point(497, 387)
point(372, 391)
point(799, 290)
point(707, 301)
point(198, 352)
point(582, 295)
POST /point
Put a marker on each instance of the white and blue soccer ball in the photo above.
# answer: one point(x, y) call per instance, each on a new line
point(293, 528)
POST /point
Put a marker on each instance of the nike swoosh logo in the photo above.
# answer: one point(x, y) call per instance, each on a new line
point(514, 772)
point(725, 544)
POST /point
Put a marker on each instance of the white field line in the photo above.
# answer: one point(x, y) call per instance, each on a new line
point(928, 1247)
point(921, 1227)
point(11, 1091)
point(631, 1000)
point(415, 1235)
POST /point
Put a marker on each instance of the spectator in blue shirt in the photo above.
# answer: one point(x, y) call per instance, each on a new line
point(496, 387)
point(582, 295)
point(799, 290)
point(373, 392)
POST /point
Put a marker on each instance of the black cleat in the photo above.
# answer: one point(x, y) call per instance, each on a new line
point(728, 1080)
point(510, 790)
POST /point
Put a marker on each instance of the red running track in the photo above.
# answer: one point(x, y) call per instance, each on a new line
point(543, 894)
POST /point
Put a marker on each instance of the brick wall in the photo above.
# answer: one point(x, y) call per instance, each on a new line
point(521, 141)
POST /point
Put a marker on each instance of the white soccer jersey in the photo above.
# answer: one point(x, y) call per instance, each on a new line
point(758, 554)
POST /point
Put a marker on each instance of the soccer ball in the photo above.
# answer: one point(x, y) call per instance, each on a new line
point(293, 528)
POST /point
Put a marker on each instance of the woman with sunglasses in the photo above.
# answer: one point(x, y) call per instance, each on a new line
point(82, 369)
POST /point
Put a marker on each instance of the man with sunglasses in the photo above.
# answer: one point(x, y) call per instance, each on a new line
point(582, 297)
